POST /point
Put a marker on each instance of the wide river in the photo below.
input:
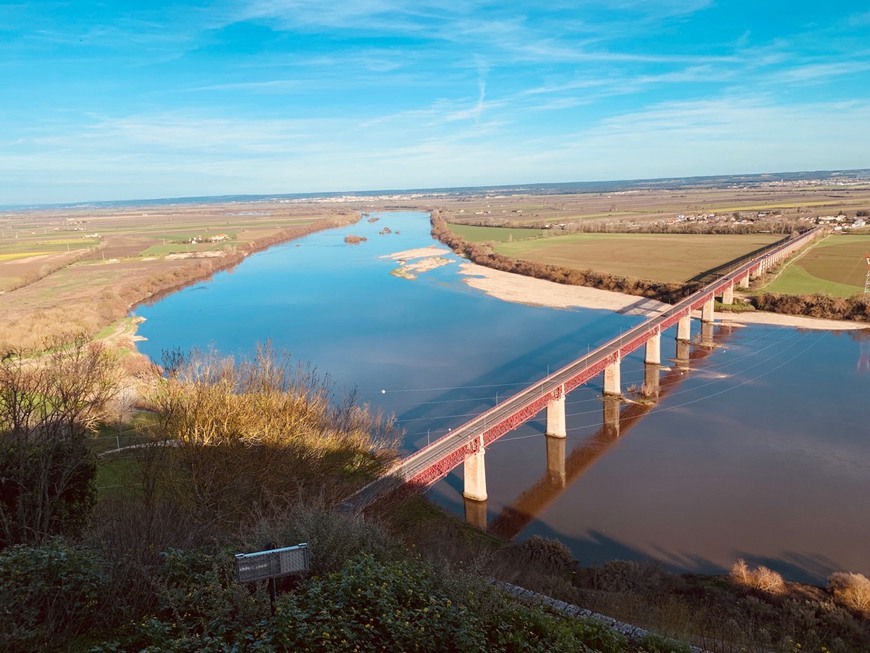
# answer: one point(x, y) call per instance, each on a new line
point(759, 450)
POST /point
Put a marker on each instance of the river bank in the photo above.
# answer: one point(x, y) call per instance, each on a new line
point(520, 289)
point(136, 256)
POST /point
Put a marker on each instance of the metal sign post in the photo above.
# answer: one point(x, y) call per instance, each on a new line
point(271, 564)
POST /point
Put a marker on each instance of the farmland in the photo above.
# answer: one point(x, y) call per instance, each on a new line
point(659, 257)
point(836, 266)
point(622, 210)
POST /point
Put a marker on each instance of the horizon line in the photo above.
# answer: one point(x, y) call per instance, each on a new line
point(796, 175)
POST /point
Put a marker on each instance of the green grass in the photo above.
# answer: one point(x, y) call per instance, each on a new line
point(35, 246)
point(497, 234)
point(836, 266)
point(660, 257)
point(795, 280)
point(116, 476)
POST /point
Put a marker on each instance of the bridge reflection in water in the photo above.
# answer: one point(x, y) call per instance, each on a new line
point(618, 418)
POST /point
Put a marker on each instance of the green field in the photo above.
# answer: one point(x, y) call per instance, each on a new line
point(659, 257)
point(495, 234)
point(836, 265)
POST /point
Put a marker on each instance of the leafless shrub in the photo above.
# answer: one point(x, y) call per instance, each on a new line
point(761, 578)
point(253, 435)
point(50, 401)
point(851, 590)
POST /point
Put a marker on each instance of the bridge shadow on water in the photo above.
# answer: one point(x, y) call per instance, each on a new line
point(529, 505)
point(487, 388)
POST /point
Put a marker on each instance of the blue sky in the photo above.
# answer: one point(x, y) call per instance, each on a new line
point(125, 99)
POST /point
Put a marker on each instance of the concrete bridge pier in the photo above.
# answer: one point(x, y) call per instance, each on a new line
point(707, 311)
point(707, 334)
point(556, 460)
point(556, 416)
point(728, 295)
point(475, 474)
point(612, 406)
point(744, 282)
point(650, 388)
point(611, 379)
point(682, 356)
point(684, 329)
point(654, 350)
point(475, 513)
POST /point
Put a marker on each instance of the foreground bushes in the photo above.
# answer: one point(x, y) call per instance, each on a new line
point(48, 593)
point(409, 606)
point(373, 596)
point(369, 605)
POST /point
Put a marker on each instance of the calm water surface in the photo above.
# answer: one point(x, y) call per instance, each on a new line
point(760, 450)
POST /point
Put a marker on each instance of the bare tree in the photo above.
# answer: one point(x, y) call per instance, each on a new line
point(50, 401)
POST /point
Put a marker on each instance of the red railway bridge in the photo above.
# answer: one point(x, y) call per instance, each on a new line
point(467, 443)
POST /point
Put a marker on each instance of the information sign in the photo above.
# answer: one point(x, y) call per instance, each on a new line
point(263, 565)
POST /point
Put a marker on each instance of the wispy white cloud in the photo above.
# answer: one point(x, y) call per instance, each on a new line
point(268, 86)
point(812, 72)
point(729, 134)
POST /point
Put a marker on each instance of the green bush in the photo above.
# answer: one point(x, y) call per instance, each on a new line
point(48, 593)
point(200, 607)
point(369, 605)
point(408, 606)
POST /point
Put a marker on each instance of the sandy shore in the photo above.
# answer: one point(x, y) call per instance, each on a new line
point(420, 252)
point(538, 292)
point(795, 321)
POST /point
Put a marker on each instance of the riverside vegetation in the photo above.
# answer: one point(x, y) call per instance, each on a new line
point(231, 455)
